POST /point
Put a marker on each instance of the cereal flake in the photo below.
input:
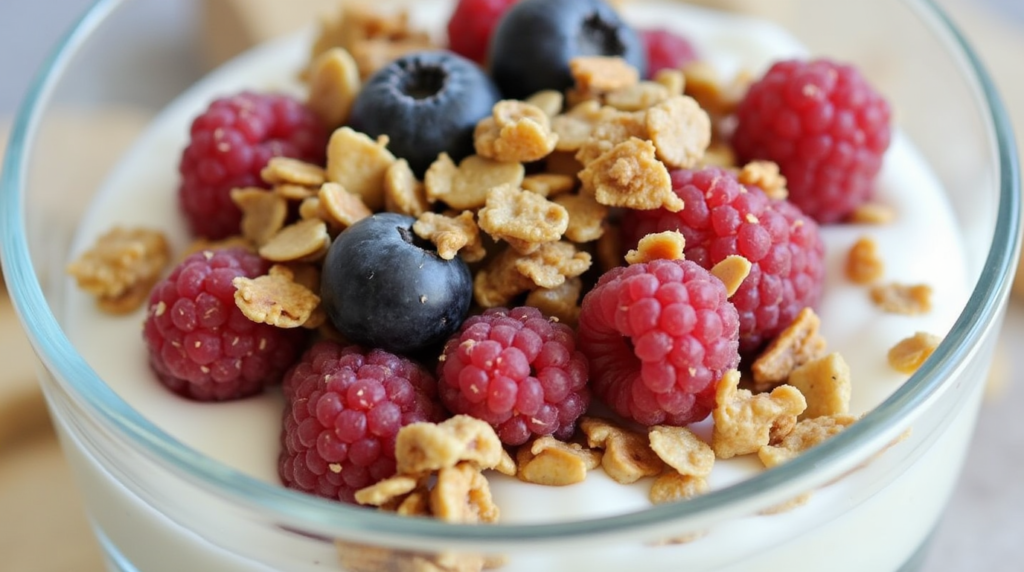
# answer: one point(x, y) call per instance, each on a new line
point(462, 495)
point(548, 461)
point(422, 447)
point(680, 131)
point(805, 434)
point(825, 384)
point(403, 193)
point(674, 487)
point(561, 302)
point(872, 213)
point(451, 235)
point(586, 217)
point(288, 171)
point(333, 85)
point(908, 299)
point(468, 185)
point(303, 241)
point(627, 455)
point(515, 132)
point(121, 267)
point(908, 355)
point(359, 164)
point(732, 271)
point(599, 74)
point(745, 422)
point(682, 450)
point(548, 185)
point(275, 298)
point(343, 209)
point(549, 101)
point(864, 265)
point(799, 343)
point(629, 175)
point(552, 263)
point(523, 219)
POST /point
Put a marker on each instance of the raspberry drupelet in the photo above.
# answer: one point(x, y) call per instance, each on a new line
point(518, 371)
point(200, 344)
point(658, 336)
point(723, 217)
point(824, 125)
point(345, 405)
point(230, 143)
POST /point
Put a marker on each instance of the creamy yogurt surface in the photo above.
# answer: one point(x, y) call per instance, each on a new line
point(245, 434)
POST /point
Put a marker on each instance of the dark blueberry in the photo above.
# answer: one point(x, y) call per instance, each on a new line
point(426, 102)
point(383, 287)
point(534, 41)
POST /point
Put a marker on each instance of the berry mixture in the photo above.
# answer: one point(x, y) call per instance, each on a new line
point(723, 217)
point(518, 371)
point(200, 344)
point(825, 127)
point(345, 406)
point(230, 143)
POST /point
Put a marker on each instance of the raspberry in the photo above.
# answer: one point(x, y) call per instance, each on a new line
point(230, 143)
point(825, 127)
point(666, 50)
point(345, 407)
point(723, 217)
point(659, 336)
point(471, 25)
point(200, 344)
point(518, 371)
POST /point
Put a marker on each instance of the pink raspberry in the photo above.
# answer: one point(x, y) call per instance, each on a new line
point(230, 143)
point(825, 127)
point(200, 344)
point(518, 371)
point(722, 218)
point(345, 405)
point(659, 337)
point(666, 50)
point(471, 25)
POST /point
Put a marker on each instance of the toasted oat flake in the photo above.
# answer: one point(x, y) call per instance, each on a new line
point(403, 193)
point(552, 263)
point(387, 490)
point(909, 299)
point(451, 235)
point(333, 85)
point(575, 127)
point(631, 176)
point(872, 213)
point(310, 209)
point(682, 450)
point(674, 487)
point(516, 132)
point(547, 461)
point(275, 298)
point(799, 343)
point(548, 185)
point(825, 384)
point(586, 217)
point(680, 131)
point(627, 455)
point(613, 128)
point(422, 448)
point(732, 271)
point(864, 264)
point(468, 185)
point(745, 422)
point(359, 164)
point(805, 434)
point(462, 495)
point(638, 97)
point(303, 241)
point(665, 245)
point(549, 101)
point(285, 170)
point(343, 208)
point(290, 192)
point(523, 219)
point(766, 175)
point(121, 267)
point(561, 302)
point(599, 74)
point(908, 355)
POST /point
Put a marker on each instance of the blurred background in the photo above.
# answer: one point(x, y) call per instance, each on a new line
point(38, 504)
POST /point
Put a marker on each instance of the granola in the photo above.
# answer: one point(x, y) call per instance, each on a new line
point(121, 267)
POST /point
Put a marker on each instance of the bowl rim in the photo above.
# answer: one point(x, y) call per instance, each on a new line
point(982, 310)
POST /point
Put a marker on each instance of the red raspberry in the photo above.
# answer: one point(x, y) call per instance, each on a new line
point(666, 50)
point(345, 407)
point(723, 217)
point(825, 127)
point(230, 143)
point(200, 344)
point(659, 336)
point(470, 27)
point(518, 371)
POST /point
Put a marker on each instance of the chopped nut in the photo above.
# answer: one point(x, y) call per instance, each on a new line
point(462, 495)
point(674, 487)
point(680, 131)
point(796, 345)
point(766, 175)
point(121, 267)
point(468, 185)
point(387, 490)
point(666, 245)
point(903, 299)
point(516, 132)
point(805, 434)
point(745, 422)
point(333, 85)
point(552, 263)
point(560, 302)
point(629, 175)
point(549, 184)
point(627, 455)
point(863, 263)
point(682, 450)
point(523, 219)
point(638, 97)
point(404, 194)
point(343, 208)
point(732, 271)
point(422, 447)
point(359, 164)
point(303, 241)
point(548, 461)
point(872, 213)
point(908, 355)
point(586, 217)
point(602, 74)
point(275, 298)
point(825, 384)
point(549, 101)
point(288, 171)
point(451, 235)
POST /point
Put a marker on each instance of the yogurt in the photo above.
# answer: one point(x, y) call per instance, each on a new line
point(244, 435)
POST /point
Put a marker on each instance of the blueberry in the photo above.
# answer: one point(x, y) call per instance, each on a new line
point(384, 288)
point(426, 103)
point(533, 43)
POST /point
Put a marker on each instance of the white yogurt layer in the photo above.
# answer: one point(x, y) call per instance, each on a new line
point(244, 435)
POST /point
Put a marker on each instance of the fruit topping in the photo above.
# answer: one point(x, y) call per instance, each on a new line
point(471, 25)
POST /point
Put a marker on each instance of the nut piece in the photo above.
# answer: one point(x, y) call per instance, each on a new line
point(275, 298)
point(359, 164)
point(872, 213)
point(902, 298)
point(586, 217)
point(561, 302)
point(462, 495)
point(303, 241)
point(766, 175)
point(404, 194)
point(680, 131)
point(549, 184)
point(863, 263)
point(451, 235)
point(682, 450)
point(908, 355)
point(121, 267)
point(598, 74)
point(468, 185)
point(665, 245)
point(799, 343)
point(745, 422)
point(288, 171)
point(422, 448)
point(805, 434)
point(629, 175)
point(548, 461)
point(732, 271)
point(343, 209)
point(825, 384)
point(263, 213)
point(516, 132)
point(523, 219)
point(627, 455)
point(673, 487)
point(333, 86)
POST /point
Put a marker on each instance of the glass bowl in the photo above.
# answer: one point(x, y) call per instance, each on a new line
point(158, 505)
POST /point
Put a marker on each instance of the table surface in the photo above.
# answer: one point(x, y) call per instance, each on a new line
point(982, 529)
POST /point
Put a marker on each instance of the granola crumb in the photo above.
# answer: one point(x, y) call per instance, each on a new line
point(805, 434)
point(745, 422)
point(359, 164)
point(523, 219)
point(666, 245)
point(681, 449)
point(680, 131)
point(275, 298)
point(630, 175)
point(894, 298)
point(799, 343)
point(600, 74)
point(864, 265)
point(515, 132)
point(872, 213)
point(908, 355)
point(627, 455)
point(121, 267)
point(403, 193)
point(825, 384)
point(586, 217)
point(451, 235)
point(766, 175)
point(468, 185)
